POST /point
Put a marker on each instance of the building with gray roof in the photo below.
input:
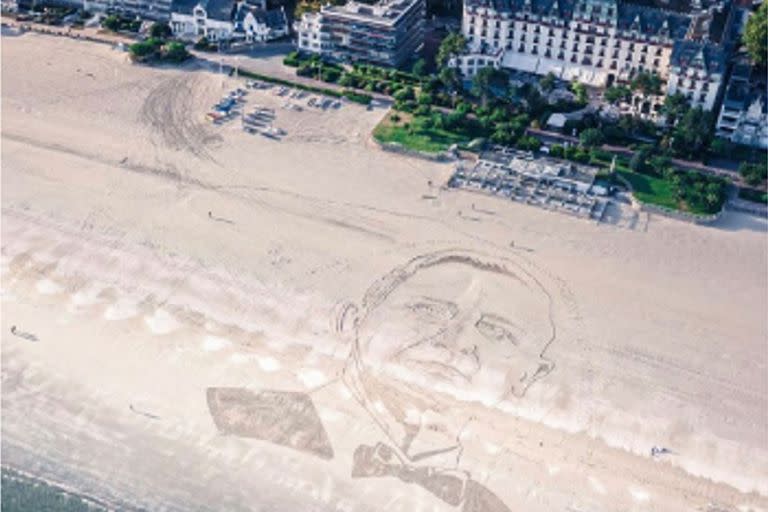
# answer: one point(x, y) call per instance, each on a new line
point(159, 10)
point(388, 33)
point(743, 117)
point(212, 19)
point(597, 42)
point(696, 71)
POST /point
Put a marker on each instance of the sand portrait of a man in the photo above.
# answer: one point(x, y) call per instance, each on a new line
point(444, 326)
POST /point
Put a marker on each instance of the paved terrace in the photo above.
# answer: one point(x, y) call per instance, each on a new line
point(542, 182)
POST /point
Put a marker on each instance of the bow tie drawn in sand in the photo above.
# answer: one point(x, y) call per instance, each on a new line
point(454, 487)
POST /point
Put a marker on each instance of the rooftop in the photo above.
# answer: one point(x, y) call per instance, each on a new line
point(646, 20)
point(744, 91)
point(215, 9)
point(698, 55)
point(386, 11)
point(272, 18)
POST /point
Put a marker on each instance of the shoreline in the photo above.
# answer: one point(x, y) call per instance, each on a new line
point(25, 478)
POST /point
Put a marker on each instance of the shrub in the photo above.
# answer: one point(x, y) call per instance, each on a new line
point(202, 44)
point(591, 137)
point(306, 69)
point(175, 52)
point(111, 22)
point(557, 151)
point(753, 174)
point(292, 59)
point(160, 30)
point(422, 110)
point(363, 99)
point(145, 50)
point(348, 80)
point(406, 106)
point(529, 143)
point(330, 75)
point(425, 99)
point(404, 94)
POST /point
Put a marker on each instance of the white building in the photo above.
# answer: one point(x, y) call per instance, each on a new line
point(387, 33)
point(257, 24)
point(193, 19)
point(744, 114)
point(593, 41)
point(152, 9)
point(696, 71)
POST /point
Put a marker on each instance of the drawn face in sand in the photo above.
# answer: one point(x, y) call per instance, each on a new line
point(459, 320)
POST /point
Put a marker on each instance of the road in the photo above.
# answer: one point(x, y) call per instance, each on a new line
point(267, 59)
point(553, 137)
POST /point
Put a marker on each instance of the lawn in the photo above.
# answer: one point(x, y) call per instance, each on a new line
point(651, 190)
point(417, 134)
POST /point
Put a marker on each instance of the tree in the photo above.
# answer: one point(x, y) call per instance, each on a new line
point(617, 93)
point(404, 94)
point(591, 138)
point(481, 83)
point(675, 107)
point(754, 174)
point(111, 22)
point(692, 134)
point(580, 90)
point(424, 99)
point(160, 30)
point(450, 79)
point(453, 45)
point(639, 160)
point(547, 82)
point(647, 83)
point(420, 68)
point(756, 35)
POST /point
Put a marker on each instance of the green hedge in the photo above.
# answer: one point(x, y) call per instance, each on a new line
point(292, 59)
point(357, 97)
point(288, 83)
point(364, 99)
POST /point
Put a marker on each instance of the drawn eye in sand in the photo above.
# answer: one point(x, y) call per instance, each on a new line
point(499, 330)
point(430, 309)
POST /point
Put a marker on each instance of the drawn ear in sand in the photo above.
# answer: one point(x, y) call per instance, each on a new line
point(280, 417)
point(344, 321)
point(538, 370)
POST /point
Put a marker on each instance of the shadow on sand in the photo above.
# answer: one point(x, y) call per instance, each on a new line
point(738, 221)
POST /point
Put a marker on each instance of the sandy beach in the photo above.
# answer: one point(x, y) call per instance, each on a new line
point(212, 312)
